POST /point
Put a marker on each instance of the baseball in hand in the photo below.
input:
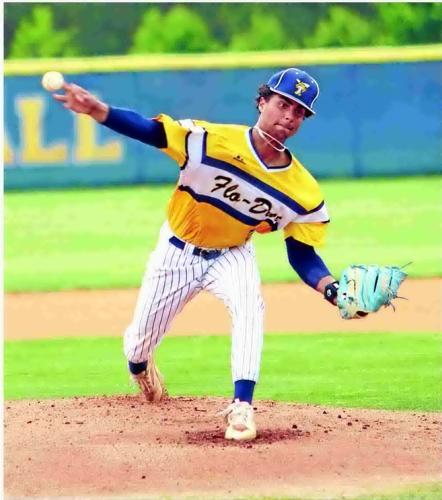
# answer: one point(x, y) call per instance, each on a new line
point(52, 81)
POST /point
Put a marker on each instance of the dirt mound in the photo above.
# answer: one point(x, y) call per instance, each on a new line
point(124, 446)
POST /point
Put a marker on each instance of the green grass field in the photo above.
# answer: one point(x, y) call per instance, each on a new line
point(100, 238)
point(423, 492)
point(396, 371)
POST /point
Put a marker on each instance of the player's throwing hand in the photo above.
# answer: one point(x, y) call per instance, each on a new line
point(79, 100)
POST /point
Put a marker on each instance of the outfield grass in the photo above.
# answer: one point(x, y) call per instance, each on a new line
point(100, 238)
point(422, 492)
point(400, 371)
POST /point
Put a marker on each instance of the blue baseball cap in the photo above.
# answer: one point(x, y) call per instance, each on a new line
point(296, 85)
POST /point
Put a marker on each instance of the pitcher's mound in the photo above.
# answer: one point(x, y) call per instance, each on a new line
point(125, 447)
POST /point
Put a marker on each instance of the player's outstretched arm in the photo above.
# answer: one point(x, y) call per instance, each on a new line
point(123, 121)
point(132, 124)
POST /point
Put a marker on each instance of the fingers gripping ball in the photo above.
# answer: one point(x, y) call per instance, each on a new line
point(365, 289)
point(52, 81)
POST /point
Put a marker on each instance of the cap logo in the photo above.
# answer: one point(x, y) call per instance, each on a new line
point(300, 87)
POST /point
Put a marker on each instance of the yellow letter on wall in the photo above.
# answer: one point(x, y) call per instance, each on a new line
point(8, 153)
point(30, 111)
point(87, 149)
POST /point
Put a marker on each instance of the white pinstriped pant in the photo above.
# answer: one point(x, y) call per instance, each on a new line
point(174, 276)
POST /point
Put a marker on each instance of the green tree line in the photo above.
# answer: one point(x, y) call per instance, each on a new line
point(35, 30)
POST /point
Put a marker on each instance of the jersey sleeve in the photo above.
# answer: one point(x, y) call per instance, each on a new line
point(311, 233)
point(310, 219)
point(177, 132)
point(310, 227)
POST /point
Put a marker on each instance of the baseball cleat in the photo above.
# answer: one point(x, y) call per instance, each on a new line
point(151, 382)
point(241, 421)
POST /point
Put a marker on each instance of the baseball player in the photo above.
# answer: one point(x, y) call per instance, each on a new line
point(234, 181)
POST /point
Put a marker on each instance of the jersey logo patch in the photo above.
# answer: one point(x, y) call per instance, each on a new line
point(257, 206)
point(301, 87)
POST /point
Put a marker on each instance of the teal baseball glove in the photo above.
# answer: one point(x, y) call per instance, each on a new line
point(365, 289)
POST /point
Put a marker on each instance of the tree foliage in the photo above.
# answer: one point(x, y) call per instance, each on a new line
point(411, 24)
point(178, 30)
point(341, 28)
point(36, 36)
point(259, 35)
point(84, 29)
point(148, 37)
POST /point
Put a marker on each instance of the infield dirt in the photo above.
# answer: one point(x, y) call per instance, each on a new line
point(290, 308)
point(123, 447)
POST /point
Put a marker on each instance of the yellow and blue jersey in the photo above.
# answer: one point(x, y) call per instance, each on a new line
point(225, 191)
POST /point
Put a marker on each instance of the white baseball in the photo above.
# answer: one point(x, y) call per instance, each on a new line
point(52, 81)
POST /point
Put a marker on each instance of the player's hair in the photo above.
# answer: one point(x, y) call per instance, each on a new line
point(263, 91)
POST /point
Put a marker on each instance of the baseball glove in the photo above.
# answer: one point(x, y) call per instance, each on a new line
point(365, 289)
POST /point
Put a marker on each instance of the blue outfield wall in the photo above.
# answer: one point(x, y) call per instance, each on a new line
point(372, 119)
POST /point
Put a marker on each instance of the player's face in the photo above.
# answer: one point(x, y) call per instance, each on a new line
point(280, 117)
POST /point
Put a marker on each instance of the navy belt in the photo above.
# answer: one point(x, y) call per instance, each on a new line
point(201, 252)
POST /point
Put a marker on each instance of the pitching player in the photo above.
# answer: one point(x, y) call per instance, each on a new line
point(234, 181)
